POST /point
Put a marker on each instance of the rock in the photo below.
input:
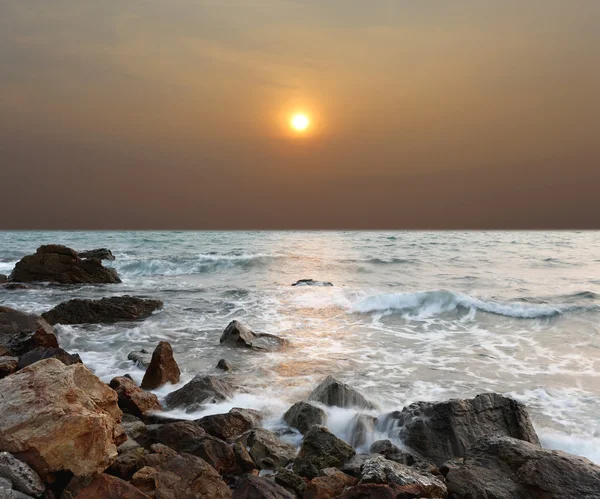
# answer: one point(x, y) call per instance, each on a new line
point(105, 310)
point(55, 263)
point(443, 430)
point(380, 491)
point(41, 353)
point(8, 365)
point(224, 365)
point(380, 470)
point(321, 449)
point(133, 428)
point(252, 415)
point(226, 426)
point(128, 462)
point(98, 254)
point(13, 286)
point(5, 485)
point(360, 427)
point(254, 487)
point(181, 436)
point(110, 487)
point(303, 416)
point(353, 467)
point(502, 467)
point(332, 392)
point(311, 282)
point(218, 454)
point(329, 486)
point(244, 460)
point(21, 332)
point(57, 417)
point(13, 494)
point(182, 477)
point(22, 477)
point(132, 399)
point(238, 335)
point(200, 390)
point(162, 369)
point(142, 357)
point(4, 352)
point(3, 278)
point(290, 481)
point(384, 447)
point(267, 451)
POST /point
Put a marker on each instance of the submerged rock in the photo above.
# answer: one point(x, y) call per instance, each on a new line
point(59, 264)
point(142, 358)
point(23, 478)
point(311, 282)
point(255, 487)
point(267, 451)
point(99, 254)
point(105, 310)
point(200, 390)
point(224, 365)
point(132, 399)
point(332, 392)
point(41, 353)
point(162, 369)
point(303, 416)
point(21, 332)
point(238, 335)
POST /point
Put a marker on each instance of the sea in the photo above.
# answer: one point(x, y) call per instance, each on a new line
point(411, 316)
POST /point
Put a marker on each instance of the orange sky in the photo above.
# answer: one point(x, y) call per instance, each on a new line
point(174, 114)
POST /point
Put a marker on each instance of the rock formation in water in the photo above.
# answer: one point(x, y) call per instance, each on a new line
point(237, 334)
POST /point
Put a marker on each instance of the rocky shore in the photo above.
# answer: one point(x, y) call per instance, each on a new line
point(64, 433)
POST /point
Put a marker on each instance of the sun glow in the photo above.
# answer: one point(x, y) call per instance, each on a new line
point(299, 122)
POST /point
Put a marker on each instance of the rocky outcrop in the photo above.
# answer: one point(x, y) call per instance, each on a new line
point(321, 449)
point(311, 282)
point(8, 365)
point(199, 391)
point(59, 264)
point(132, 399)
point(332, 484)
point(21, 332)
point(443, 430)
point(57, 417)
point(267, 451)
point(110, 487)
point(303, 416)
point(98, 254)
point(105, 310)
point(226, 426)
point(254, 487)
point(23, 478)
point(237, 334)
point(162, 369)
point(332, 392)
point(500, 467)
point(41, 353)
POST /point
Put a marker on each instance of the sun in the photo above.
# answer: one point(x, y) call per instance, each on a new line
point(299, 122)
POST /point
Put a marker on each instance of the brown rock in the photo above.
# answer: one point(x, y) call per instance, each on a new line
point(237, 334)
point(267, 451)
point(218, 454)
point(98, 253)
point(8, 365)
point(132, 399)
point(321, 449)
point(254, 487)
point(129, 461)
point(226, 426)
point(41, 353)
point(21, 332)
point(243, 458)
point(162, 369)
point(110, 487)
point(380, 491)
point(329, 486)
point(200, 390)
point(183, 436)
point(4, 352)
point(57, 417)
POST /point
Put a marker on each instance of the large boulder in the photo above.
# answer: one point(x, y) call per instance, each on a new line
point(162, 369)
point(57, 417)
point(41, 353)
point(267, 451)
point(237, 334)
point(21, 332)
point(321, 449)
point(255, 487)
point(98, 254)
point(227, 426)
point(132, 399)
point(107, 310)
point(303, 416)
point(329, 486)
point(23, 478)
point(501, 467)
point(181, 436)
point(59, 264)
point(8, 365)
point(200, 390)
point(110, 487)
point(332, 392)
point(443, 430)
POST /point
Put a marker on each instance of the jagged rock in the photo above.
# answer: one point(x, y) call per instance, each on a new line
point(8, 365)
point(443, 430)
point(23, 478)
point(142, 357)
point(254, 487)
point(290, 481)
point(226, 426)
point(501, 467)
point(21, 332)
point(41, 353)
point(162, 369)
point(378, 469)
point(182, 477)
point(303, 416)
point(129, 461)
point(98, 254)
point(360, 427)
point(105, 310)
point(181, 436)
point(110, 487)
point(200, 390)
point(330, 485)
point(311, 282)
point(224, 365)
point(267, 451)
point(238, 335)
point(321, 449)
point(244, 460)
point(132, 399)
point(57, 417)
point(332, 392)
point(55, 263)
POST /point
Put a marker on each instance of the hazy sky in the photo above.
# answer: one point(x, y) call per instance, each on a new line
point(424, 114)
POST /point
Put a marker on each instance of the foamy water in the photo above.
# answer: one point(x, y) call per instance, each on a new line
point(412, 316)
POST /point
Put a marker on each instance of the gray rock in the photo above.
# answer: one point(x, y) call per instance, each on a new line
point(353, 467)
point(5, 485)
point(332, 392)
point(200, 390)
point(41, 353)
point(21, 332)
point(224, 365)
point(303, 416)
point(13, 494)
point(23, 478)
point(99, 253)
point(3, 278)
point(237, 334)
point(267, 451)
point(311, 282)
point(290, 481)
point(360, 427)
point(384, 447)
point(134, 429)
point(142, 357)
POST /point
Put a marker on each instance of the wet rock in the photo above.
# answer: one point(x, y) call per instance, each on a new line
point(244, 460)
point(110, 487)
point(21, 332)
point(267, 451)
point(321, 449)
point(22, 477)
point(200, 390)
point(252, 415)
point(353, 467)
point(142, 357)
point(311, 282)
point(290, 481)
point(381, 470)
point(41, 353)
point(98, 254)
point(254, 487)
point(105, 310)
point(226, 426)
point(8, 365)
point(162, 369)
point(331, 485)
point(128, 462)
point(332, 392)
point(443, 430)
point(181, 436)
point(3, 278)
point(224, 365)
point(501, 467)
point(384, 447)
point(59, 264)
point(360, 427)
point(303, 416)
point(132, 399)
point(14, 286)
point(237, 334)
point(57, 417)
point(381, 491)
